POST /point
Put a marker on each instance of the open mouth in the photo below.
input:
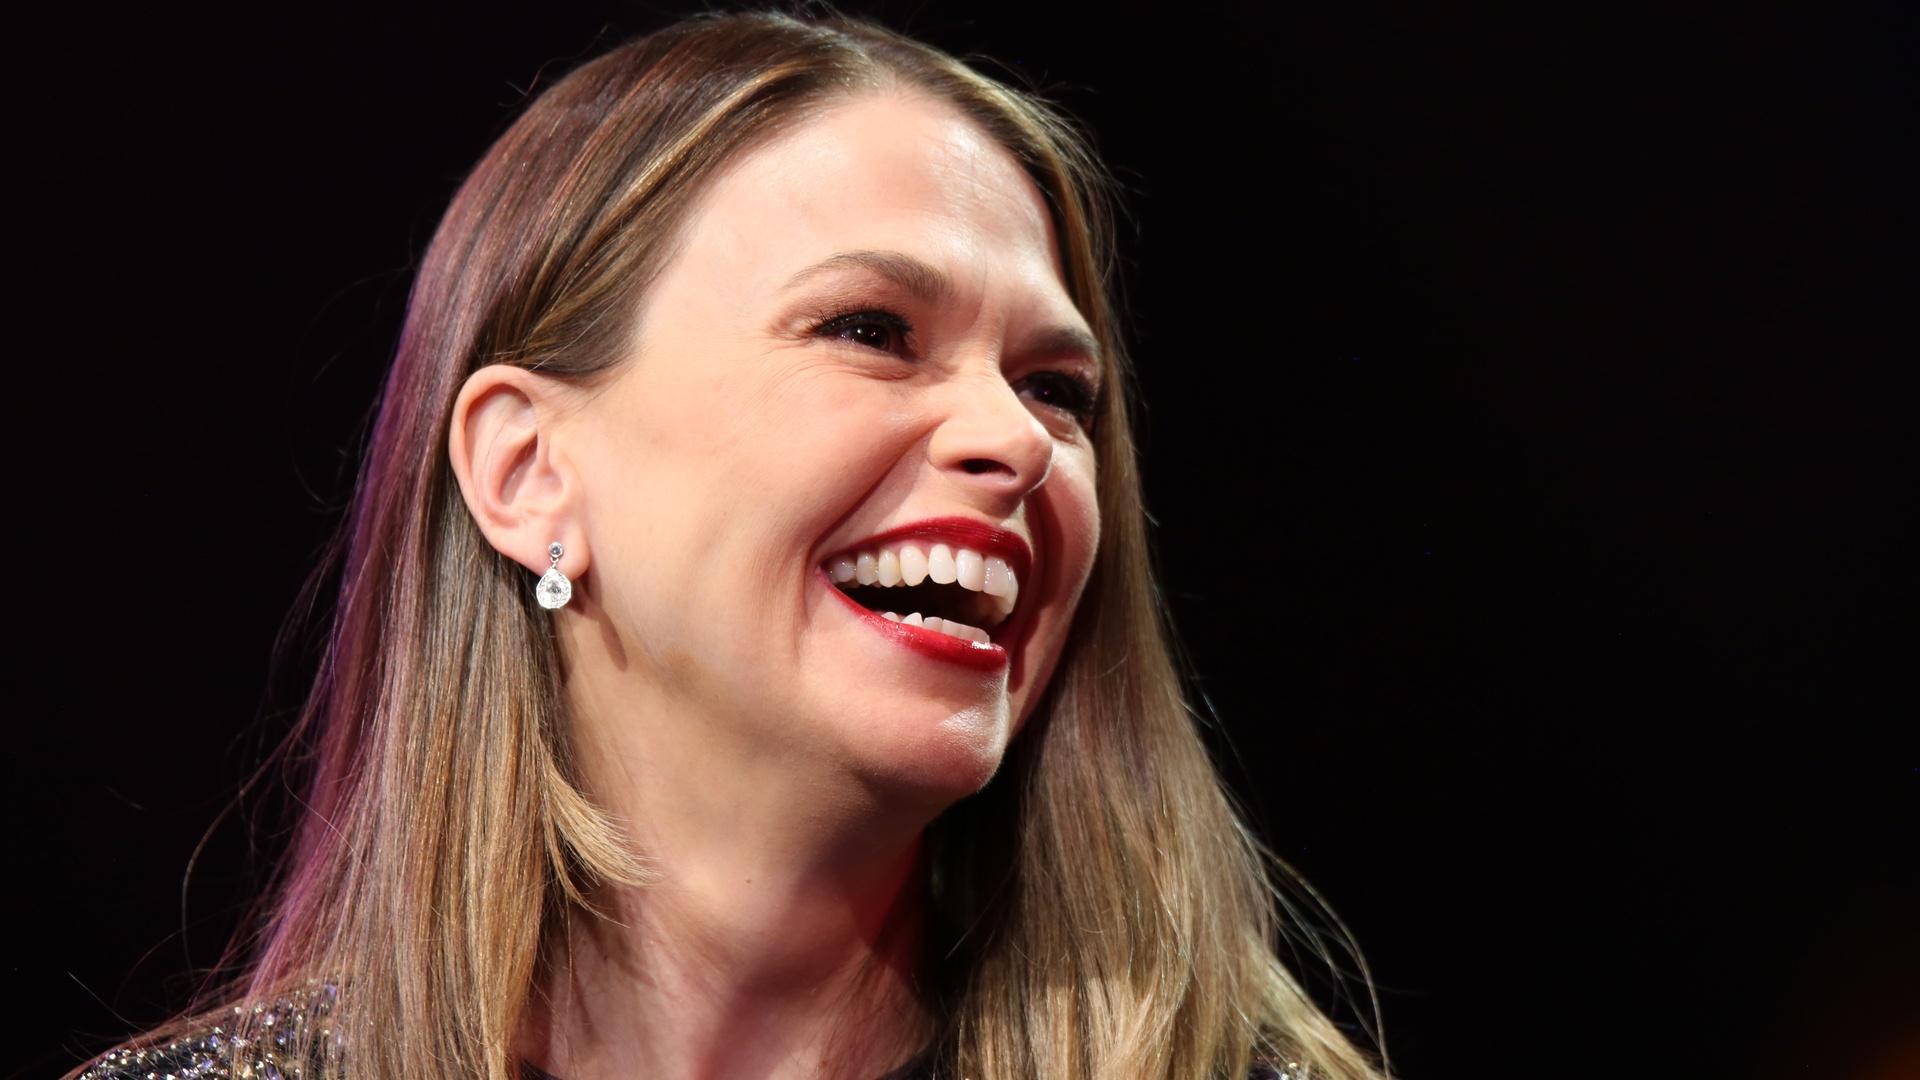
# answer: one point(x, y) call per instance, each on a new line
point(953, 589)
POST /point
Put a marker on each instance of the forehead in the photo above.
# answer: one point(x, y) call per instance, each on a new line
point(880, 171)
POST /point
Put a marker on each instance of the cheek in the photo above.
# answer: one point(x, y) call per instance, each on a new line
point(744, 473)
point(721, 444)
point(1069, 508)
point(813, 451)
point(1077, 512)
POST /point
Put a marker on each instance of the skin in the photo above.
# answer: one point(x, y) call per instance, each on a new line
point(774, 757)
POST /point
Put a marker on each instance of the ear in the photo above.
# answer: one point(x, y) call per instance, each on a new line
point(521, 493)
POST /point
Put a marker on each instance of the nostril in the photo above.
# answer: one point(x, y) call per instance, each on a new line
point(977, 466)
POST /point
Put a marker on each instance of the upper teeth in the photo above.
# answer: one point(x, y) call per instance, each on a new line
point(911, 564)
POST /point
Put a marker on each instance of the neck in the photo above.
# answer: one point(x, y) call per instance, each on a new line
point(782, 939)
point(675, 981)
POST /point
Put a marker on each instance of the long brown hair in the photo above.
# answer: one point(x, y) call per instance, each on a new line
point(1107, 912)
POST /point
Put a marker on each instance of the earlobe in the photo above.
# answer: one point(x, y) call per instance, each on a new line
point(501, 444)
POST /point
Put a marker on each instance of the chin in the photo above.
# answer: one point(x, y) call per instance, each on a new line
point(946, 760)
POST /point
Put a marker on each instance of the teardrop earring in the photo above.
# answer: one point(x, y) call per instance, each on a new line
point(554, 589)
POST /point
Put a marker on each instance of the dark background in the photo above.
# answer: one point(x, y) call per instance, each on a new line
point(1522, 432)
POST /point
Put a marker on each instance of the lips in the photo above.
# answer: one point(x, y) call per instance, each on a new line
point(963, 574)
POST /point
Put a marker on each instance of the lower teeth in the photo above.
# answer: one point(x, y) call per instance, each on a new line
point(945, 626)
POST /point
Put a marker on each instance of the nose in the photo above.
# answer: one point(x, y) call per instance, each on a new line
point(989, 441)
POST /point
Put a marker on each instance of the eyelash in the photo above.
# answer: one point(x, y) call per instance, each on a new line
point(1084, 399)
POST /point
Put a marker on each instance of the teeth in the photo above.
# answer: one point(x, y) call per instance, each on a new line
point(913, 564)
point(940, 565)
point(997, 577)
point(949, 627)
point(1001, 583)
point(970, 569)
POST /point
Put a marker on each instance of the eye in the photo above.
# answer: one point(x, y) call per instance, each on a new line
point(876, 328)
point(1063, 390)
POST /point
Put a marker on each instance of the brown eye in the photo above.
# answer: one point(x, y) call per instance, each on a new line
point(877, 329)
point(1062, 390)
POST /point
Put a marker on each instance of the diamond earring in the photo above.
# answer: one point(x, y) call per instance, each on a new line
point(554, 589)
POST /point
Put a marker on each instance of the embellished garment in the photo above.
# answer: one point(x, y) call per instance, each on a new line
point(265, 1042)
point(255, 1043)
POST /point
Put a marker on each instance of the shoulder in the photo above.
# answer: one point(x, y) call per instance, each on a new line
point(199, 1054)
point(265, 1041)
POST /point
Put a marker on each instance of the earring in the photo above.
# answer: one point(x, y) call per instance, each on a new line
point(554, 589)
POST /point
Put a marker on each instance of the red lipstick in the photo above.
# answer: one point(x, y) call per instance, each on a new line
point(981, 657)
point(959, 531)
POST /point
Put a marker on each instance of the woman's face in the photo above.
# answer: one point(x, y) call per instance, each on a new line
point(864, 346)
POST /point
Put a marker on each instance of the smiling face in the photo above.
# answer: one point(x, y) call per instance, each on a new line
point(863, 346)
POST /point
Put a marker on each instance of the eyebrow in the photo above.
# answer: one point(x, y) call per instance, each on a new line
point(923, 280)
point(930, 285)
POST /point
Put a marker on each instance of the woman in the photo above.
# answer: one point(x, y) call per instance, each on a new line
point(746, 661)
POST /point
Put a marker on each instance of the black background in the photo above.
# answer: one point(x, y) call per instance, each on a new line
point(1523, 435)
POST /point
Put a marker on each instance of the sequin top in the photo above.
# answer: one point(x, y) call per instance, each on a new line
point(276, 1031)
point(279, 1029)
